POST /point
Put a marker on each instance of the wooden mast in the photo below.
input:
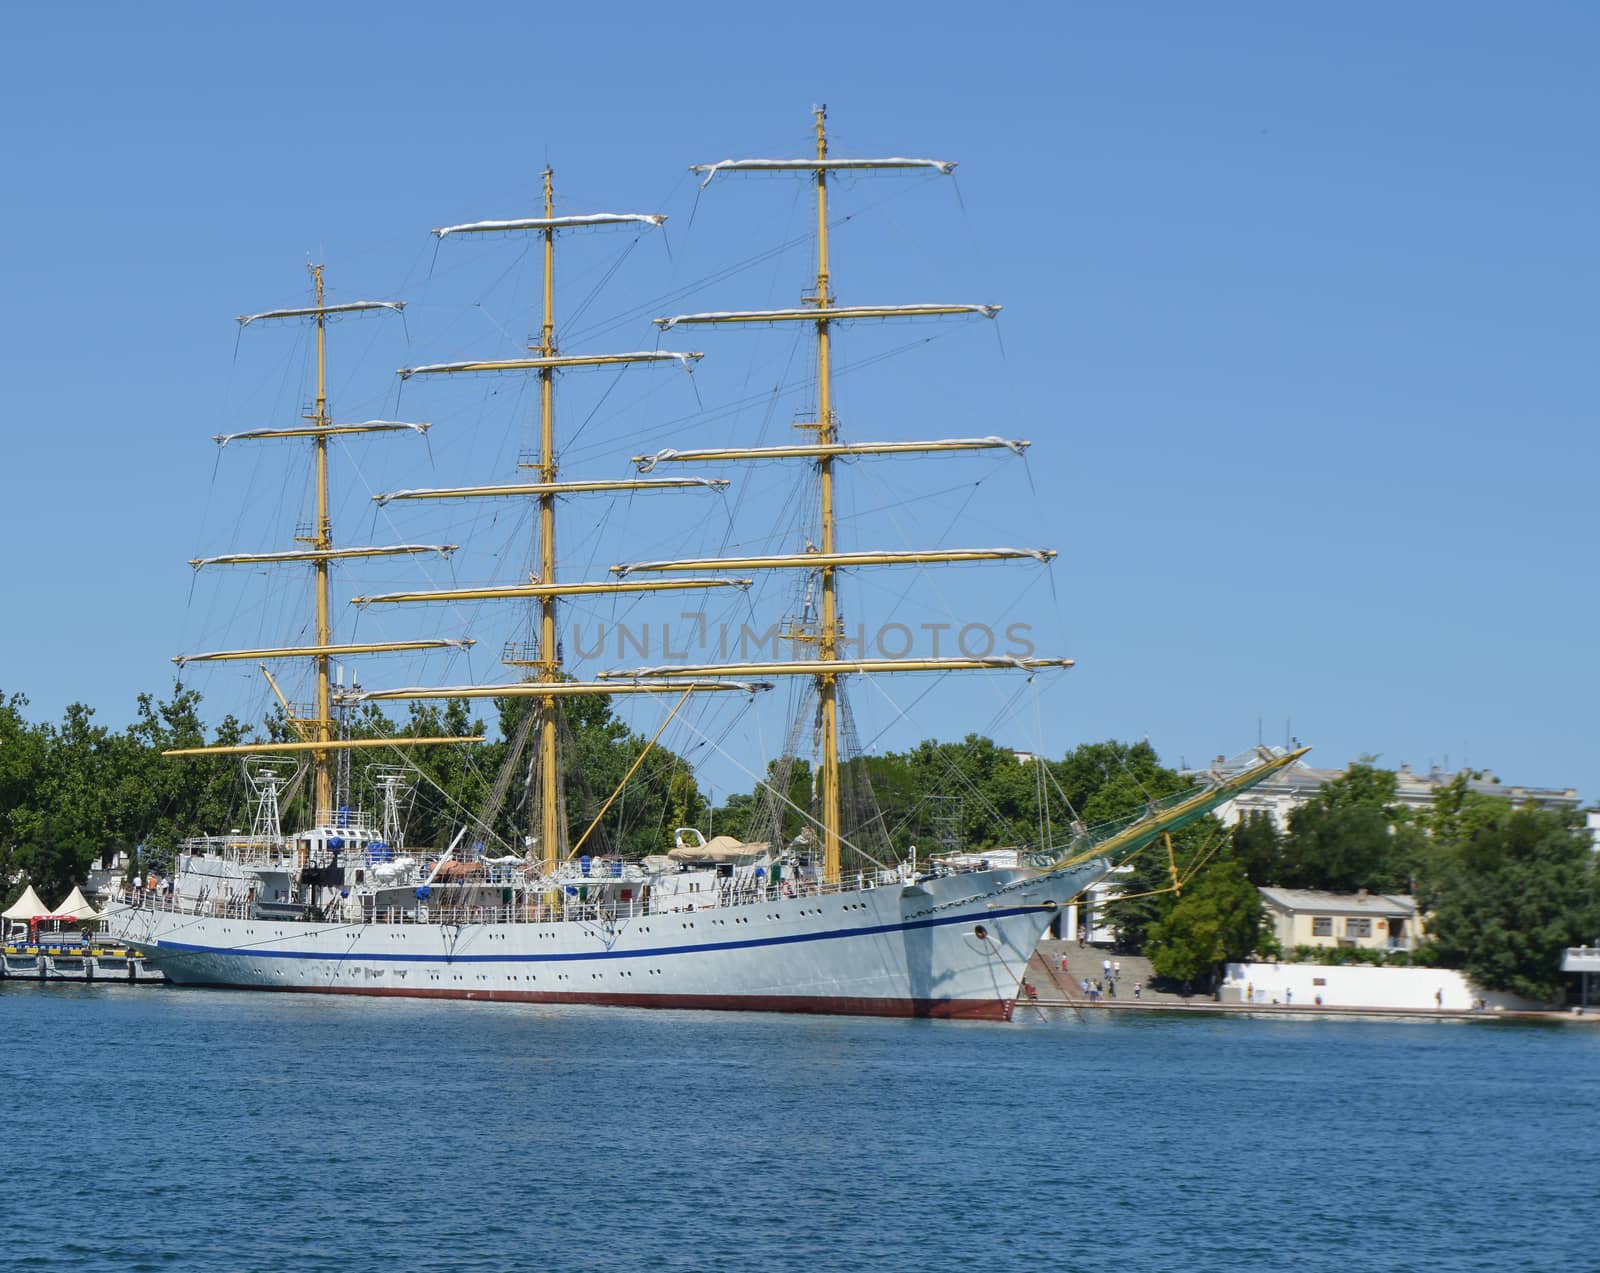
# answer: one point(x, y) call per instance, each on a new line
point(549, 660)
point(827, 646)
point(321, 539)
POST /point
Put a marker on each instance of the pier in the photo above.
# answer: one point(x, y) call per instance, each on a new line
point(83, 964)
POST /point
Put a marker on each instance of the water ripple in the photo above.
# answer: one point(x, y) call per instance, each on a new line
point(160, 1130)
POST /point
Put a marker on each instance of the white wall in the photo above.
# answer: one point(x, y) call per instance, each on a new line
point(1362, 986)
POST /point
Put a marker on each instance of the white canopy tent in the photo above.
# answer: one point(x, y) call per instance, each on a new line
point(28, 906)
point(77, 906)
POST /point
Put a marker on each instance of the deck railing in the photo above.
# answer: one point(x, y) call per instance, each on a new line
point(531, 902)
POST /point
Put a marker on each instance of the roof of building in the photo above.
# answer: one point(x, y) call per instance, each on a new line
point(1305, 900)
point(1411, 788)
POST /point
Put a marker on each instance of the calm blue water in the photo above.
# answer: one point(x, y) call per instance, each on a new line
point(232, 1131)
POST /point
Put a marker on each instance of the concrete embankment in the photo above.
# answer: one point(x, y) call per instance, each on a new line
point(1061, 986)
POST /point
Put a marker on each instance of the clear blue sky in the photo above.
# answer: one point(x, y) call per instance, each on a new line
point(1299, 317)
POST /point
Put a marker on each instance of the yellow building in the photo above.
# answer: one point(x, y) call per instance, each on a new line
point(1374, 921)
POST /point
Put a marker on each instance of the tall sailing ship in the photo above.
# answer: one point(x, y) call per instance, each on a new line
point(811, 923)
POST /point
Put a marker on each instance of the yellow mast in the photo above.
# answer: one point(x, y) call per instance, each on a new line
point(549, 665)
point(827, 646)
point(321, 539)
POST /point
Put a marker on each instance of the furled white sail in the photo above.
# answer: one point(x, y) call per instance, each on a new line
point(556, 689)
point(349, 307)
point(515, 489)
point(321, 554)
point(554, 361)
point(550, 223)
point(364, 426)
point(339, 650)
point(814, 450)
point(819, 560)
point(834, 314)
point(945, 166)
point(832, 667)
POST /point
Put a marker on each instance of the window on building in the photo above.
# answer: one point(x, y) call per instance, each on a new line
point(1322, 925)
point(1358, 927)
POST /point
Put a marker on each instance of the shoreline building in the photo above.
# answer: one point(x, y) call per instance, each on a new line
point(1371, 921)
point(1284, 792)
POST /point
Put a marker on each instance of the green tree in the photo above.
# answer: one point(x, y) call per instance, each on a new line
point(600, 750)
point(71, 813)
point(999, 796)
point(76, 792)
point(745, 815)
point(1257, 845)
point(734, 817)
point(1514, 888)
point(1351, 836)
point(57, 854)
point(1085, 770)
point(70, 809)
point(22, 752)
point(453, 775)
point(160, 800)
point(1457, 816)
point(1219, 921)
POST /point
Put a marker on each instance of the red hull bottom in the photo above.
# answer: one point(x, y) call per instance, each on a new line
point(829, 1005)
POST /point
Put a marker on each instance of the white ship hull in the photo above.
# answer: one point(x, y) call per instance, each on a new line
point(953, 946)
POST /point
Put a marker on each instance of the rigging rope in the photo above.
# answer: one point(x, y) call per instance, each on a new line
point(763, 784)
